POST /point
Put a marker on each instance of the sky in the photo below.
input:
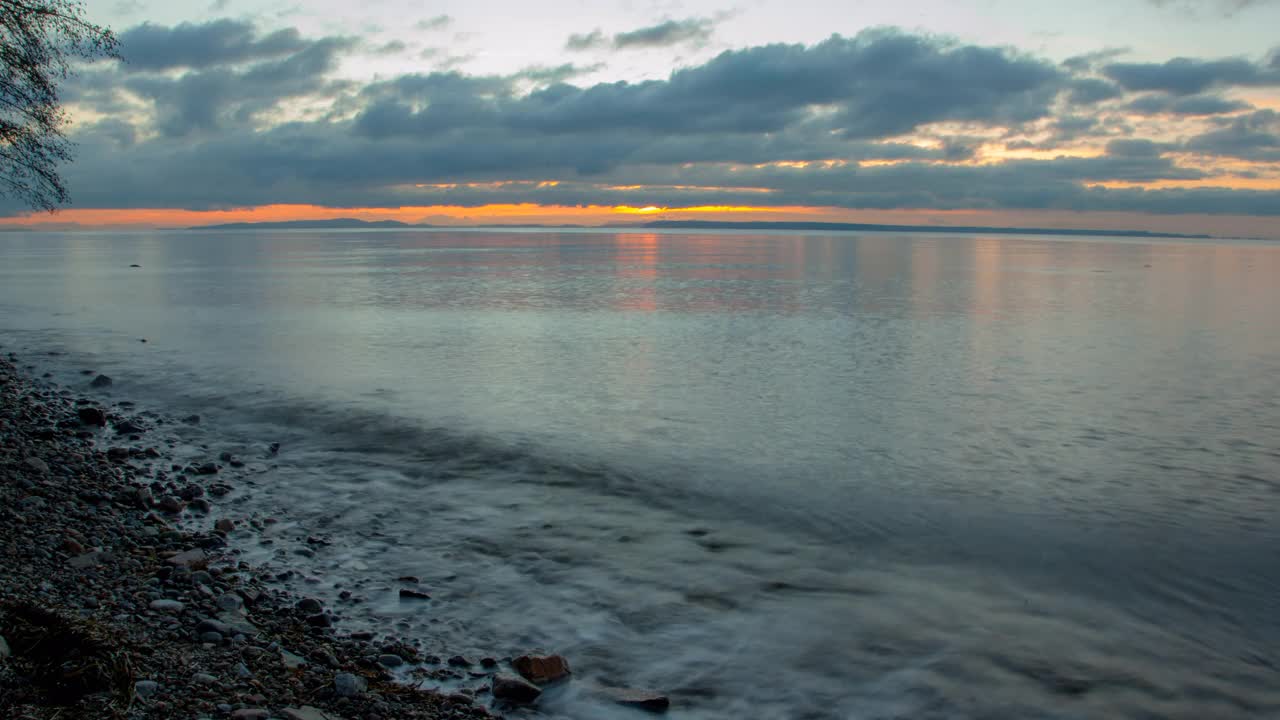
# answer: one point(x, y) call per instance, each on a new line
point(1137, 114)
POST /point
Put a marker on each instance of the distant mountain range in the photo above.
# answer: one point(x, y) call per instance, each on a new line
point(352, 223)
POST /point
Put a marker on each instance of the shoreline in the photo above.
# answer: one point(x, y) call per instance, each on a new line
point(155, 618)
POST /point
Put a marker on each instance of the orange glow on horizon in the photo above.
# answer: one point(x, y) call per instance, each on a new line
point(601, 215)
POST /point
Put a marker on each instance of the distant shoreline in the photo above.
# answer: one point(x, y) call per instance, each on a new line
point(355, 224)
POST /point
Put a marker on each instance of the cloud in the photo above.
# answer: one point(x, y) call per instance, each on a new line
point(439, 22)
point(884, 119)
point(692, 31)
point(1255, 136)
point(1227, 8)
point(1188, 76)
point(1193, 105)
point(150, 47)
point(667, 33)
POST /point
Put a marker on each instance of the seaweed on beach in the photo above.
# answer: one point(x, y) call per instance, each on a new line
point(67, 658)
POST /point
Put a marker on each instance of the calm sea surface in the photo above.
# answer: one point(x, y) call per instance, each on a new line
point(862, 476)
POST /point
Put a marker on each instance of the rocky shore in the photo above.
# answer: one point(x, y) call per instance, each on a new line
point(122, 596)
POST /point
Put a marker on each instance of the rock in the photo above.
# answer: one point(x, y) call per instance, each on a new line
point(213, 638)
point(128, 427)
point(459, 661)
point(208, 626)
point(306, 712)
point(191, 492)
point(310, 606)
point(207, 469)
point(166, 605)
point(514, 690)
point(146, 688)
point(649, 700)
point(204, 679)
point(171, 505)
point(321, 620)
point(542, 670)
point(225, 525)
point(411, 594)
point(194, 559)
point(119, 454)
point(200, 577)
point(73, 546)
point(488, 662)
point(5, 652)
point(101, 381)
point(250, 714)
point(242, 671)
point(348, 685)
point(191, 419)
point(390, 660)
point(87, 560)
point(290, 660)
point(237, 623)
point(38, 465)
point(230, 602)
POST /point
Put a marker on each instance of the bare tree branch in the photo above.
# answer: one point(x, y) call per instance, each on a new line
point(40, 40)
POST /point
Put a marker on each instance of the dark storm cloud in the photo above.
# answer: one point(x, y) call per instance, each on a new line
point(1188, 76)
point(220, 42)
point(1088, 91)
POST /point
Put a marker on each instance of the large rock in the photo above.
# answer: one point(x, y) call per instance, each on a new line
point(542, 669)
point(101, 381)
point(38, 465)
point(92, 416)
point(514, 690)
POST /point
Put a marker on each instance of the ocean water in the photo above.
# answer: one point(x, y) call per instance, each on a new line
point(862, 476)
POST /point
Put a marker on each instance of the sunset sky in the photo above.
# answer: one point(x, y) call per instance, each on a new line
point(1144, 114)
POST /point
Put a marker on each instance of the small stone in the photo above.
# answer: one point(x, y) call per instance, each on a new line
point(200, 577)
point(146, 688)
point(5, 652)
point(290, 660)
point(92, 416)
point(191, 492)
point(390, 660)
point(649, 700)
point(321, 620)
point(250, 714)
point(87, 560)
point(73, 546)
point(310, 606)
point(542, 670)
point(38, 465)
point(194, 559)
point(128, 427)
point(230, 602)
point(242, 671)
point(225, 525)
point(204, 679)
point(306, 712)
point(165, 605)
point(101, 381)
point(514, 690)
point(348, 685)
point(171, 505)
point(213, 638)
point(488, 662)
point(207, 469)
point(411, 594)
